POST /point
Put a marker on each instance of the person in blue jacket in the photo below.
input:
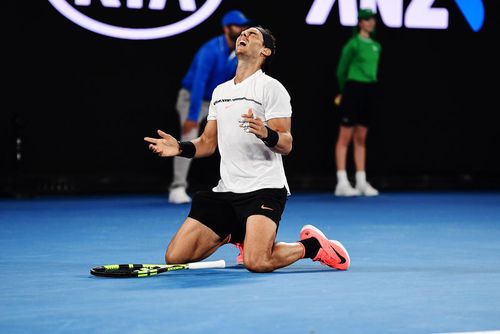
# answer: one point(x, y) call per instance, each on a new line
point(214, 63)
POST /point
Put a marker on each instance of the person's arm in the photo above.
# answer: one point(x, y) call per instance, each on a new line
point(204, 62)
point(277, 112)
point(203, 146)
point(207, 142)
point(276, 135)
point(346, 56)
point(283, 127)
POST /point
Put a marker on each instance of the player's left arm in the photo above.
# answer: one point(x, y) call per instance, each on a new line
point(283, 127)
point(277, 133)
point(275, 129)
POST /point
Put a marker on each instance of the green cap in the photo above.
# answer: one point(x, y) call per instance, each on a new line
point(365, 14)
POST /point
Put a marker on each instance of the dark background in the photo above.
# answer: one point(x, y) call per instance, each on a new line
point(81, 102)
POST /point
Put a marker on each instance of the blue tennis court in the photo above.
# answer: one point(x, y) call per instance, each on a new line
point(421, 263)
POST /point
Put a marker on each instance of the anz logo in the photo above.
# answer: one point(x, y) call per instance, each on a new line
point(418, 14)
point(74, 10)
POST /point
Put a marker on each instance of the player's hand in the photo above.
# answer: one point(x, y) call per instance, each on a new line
point(337, 100)
point(166, 146)
point(188, 126)
point(252, 124)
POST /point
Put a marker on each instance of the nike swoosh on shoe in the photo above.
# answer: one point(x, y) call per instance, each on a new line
point(342, 259)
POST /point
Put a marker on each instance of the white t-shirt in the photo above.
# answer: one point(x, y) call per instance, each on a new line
point(247, 164)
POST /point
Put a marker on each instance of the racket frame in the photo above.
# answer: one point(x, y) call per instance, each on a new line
point(145, 270)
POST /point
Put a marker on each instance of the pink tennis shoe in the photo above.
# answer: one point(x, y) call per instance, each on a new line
point(239, 257)
point(332, 253)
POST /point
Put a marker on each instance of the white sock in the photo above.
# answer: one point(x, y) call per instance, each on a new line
point(360, 177)
point(342, 176)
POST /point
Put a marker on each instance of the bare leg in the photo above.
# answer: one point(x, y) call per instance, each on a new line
point(193, 242)
point(362, 185)
point(360, 133)
point(343, 141)
point(262, 253)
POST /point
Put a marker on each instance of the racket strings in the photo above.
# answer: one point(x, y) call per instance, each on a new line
point(133, 270)
point(144, 270)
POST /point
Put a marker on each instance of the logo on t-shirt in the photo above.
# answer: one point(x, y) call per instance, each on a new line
point(236, 99)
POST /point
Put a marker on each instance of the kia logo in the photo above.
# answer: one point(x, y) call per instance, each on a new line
point(197, 16)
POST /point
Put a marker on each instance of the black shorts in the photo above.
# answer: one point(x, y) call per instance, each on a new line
point(226, 213)
point(358, 105)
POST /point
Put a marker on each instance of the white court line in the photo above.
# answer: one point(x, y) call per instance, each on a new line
point(482, 332)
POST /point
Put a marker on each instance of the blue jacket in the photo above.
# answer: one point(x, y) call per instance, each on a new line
point(212, 65)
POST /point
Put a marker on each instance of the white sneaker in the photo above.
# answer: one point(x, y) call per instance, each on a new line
point(366, 189)
point(346, 190)
point(179, 196)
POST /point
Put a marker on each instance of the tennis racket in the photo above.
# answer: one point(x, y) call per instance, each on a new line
point(145, 270)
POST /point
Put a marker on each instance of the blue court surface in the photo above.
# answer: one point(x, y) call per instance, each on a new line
point(421, 263)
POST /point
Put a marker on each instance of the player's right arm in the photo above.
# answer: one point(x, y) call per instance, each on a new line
point(207, 142)
point(168, 146)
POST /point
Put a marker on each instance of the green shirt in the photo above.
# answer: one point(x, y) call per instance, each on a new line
point(358, 61)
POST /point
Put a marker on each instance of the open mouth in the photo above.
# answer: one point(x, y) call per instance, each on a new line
point(242, 43)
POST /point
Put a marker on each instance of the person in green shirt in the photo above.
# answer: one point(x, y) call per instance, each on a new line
point(357, 78)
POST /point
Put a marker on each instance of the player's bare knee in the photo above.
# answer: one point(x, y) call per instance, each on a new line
point(172, 257)
point(258, 265)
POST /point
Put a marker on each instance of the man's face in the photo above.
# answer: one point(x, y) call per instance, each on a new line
point(250, 42)
point(368, 25)
point(234, 31)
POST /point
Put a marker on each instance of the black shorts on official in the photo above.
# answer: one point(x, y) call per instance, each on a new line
point(359, 103)
point(226, 213)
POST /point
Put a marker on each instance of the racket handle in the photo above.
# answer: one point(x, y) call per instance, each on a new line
point(207, 264)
